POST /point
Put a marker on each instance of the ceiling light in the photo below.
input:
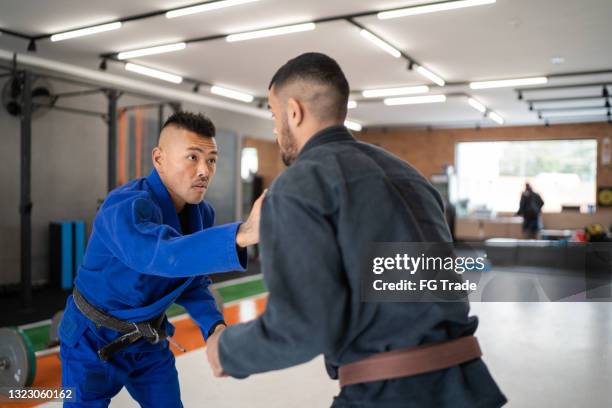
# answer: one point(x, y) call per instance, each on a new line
point(496, 117)
point(432, 8)
point(477, 105)
point(380, 43)
point(406, 90)
point(214, 5)
point(585, 112)
point(250, 35)
point(154, 73)
point(229, 93)
point(557, 60)
point(504, 83)
point(413, 100)
point(151, 50)
point(351, 104)
point(430, 75)
point(86, 31)
point(353, 125)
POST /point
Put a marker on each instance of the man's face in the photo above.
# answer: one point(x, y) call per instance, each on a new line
point(186, 163)
point(285, 138)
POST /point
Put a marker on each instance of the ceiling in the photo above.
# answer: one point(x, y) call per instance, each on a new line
point(508, 39)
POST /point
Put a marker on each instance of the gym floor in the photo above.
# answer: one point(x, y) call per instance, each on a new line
point(570, 339)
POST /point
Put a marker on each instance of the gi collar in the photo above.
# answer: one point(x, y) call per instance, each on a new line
point(335, 133)
point(165, 201)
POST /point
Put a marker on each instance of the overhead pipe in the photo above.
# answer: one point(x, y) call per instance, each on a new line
point(129, 84)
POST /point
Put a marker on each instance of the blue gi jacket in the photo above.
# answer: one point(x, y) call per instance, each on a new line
point(138, 262)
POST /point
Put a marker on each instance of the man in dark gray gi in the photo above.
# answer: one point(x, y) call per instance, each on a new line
point(337, 196)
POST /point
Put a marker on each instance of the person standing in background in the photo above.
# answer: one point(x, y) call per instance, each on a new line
point(530, 209)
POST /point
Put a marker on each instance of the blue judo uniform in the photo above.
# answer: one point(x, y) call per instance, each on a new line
point(138, 262)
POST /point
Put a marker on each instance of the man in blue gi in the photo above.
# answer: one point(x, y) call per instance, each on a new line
point(337, 196)
point(153, 244)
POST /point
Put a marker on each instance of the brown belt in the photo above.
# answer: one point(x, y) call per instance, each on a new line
point(410, 361)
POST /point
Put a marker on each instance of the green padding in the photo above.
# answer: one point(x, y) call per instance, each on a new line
point(228, 293)
point(242, 290)
point(175, 310)
point(39, 336)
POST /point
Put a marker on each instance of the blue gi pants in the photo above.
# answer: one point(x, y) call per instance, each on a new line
point(150, 376)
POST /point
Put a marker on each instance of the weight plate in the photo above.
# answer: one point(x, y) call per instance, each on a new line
point(605, 197)
point(53, 334)
point(17, 359)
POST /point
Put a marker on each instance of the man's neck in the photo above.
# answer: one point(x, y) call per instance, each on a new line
point(179, 204)
point(313, 130)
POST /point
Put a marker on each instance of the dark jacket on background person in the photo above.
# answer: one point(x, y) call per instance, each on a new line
point(317, 218)
point(530, 209)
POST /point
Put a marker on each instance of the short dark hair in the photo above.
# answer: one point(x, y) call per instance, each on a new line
point(194, 122)
point(319, 69)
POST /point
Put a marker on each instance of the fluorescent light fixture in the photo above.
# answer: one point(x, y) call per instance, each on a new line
point(477, 105)
point(406, 90)
point(351, 104)
point(270, 32)
point(380, 43)
point(504, 83)
point(432, 8)
point(86, 31)
point(413, 100)
point(557, 60)
point(151, 50)
point(585, 112)
point(229, 93)
point(153, 73)
point(201, 8)
point(430, 75)
point(496, 117)
point(353, 125)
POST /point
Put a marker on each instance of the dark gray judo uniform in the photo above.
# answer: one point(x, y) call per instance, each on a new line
point(317, 217)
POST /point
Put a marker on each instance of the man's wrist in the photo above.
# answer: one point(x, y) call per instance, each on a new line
point(215, 326)
point(242, 230)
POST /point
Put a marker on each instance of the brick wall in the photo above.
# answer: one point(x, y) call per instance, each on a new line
point(430, 150)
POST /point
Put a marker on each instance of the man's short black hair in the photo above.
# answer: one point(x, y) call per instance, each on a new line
point(194, 122)
point(319, 69)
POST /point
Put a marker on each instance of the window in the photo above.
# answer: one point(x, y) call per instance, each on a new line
point(492, 175)
point(249, 162)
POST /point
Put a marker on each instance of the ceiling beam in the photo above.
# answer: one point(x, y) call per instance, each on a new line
point(95, 77)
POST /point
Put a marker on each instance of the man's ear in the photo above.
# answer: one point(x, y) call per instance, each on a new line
point(157, 158)
point(295, 112)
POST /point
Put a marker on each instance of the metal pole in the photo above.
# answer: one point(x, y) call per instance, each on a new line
point(112, 96)
point(25, 206)
point(160, 117)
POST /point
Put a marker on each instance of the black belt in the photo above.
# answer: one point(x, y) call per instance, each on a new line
point(150, 330)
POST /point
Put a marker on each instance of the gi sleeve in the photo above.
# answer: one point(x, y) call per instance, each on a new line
point(307, 303)
point(200, 305)
point(134, 233)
